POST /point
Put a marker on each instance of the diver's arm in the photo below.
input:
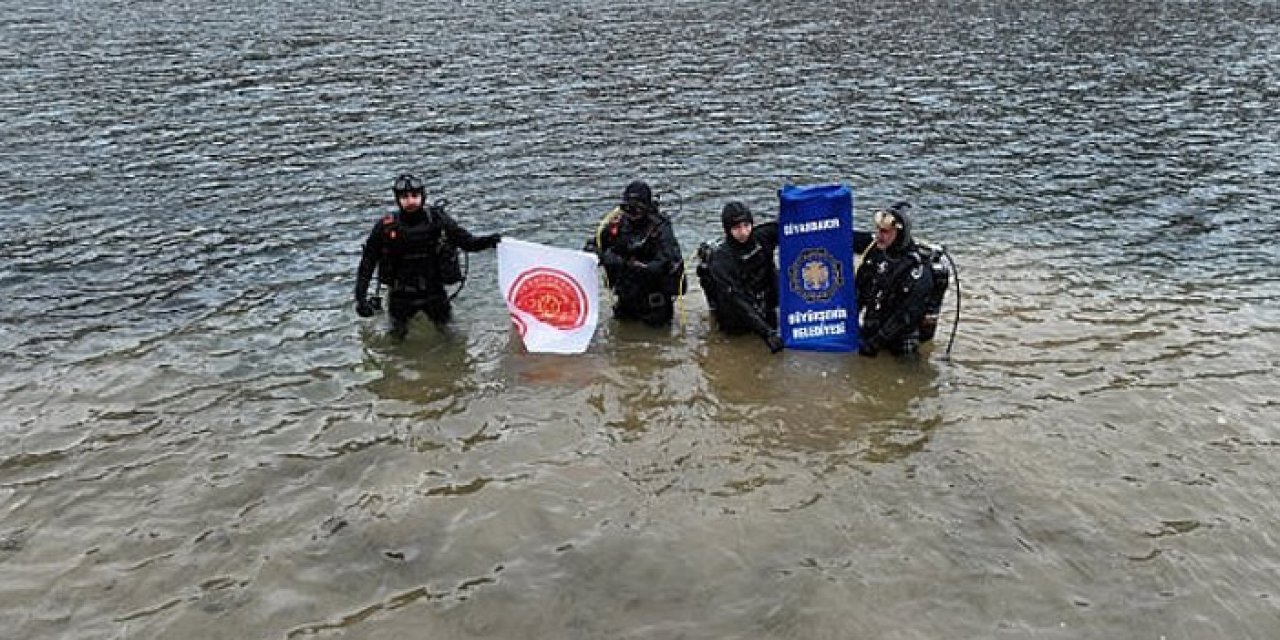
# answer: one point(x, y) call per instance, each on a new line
point(462, 238)
point(369, 255)
point(732, 298)
point(862, 281)
point(667, 256)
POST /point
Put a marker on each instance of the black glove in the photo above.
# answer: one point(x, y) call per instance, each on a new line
point(493, 239)
point(774, 341)
point(910, 345)
point(704, 252)
point(867, 349)
point(364, 308)
point(611, 258)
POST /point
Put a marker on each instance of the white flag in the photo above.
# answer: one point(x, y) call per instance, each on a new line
point(552, 295)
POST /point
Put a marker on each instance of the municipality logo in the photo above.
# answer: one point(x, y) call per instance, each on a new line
point(815, 275)
point(551, 296)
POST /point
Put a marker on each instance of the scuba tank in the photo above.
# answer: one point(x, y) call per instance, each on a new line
point(933, 258)
point(944, 272)
point(448, 256)
point(452, 263)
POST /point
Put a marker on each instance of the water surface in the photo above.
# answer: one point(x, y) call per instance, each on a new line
point(199, 438)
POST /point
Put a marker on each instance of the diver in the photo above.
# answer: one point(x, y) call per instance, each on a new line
point(739, 277)
point(415, 253)
point(894, 284)
point(641, 259)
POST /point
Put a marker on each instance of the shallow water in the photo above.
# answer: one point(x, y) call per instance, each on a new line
point(199, 438)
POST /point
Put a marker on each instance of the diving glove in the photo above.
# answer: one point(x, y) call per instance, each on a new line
point(774, 341)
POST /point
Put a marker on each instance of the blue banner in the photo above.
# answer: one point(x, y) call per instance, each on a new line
point(817, 307)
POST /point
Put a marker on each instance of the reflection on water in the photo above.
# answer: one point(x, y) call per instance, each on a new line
point(834, 406)
point(425, 367)
point(198, 438)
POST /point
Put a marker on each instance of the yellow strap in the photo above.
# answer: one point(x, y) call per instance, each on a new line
point(607, 220)
point(684, 279)
point(863, 257)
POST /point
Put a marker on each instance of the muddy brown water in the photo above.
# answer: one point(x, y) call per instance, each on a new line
point(199, 438)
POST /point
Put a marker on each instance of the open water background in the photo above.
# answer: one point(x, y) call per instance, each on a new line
point(199, 439)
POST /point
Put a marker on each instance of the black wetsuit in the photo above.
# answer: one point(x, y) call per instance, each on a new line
point(741, 282)
point(893, 287)
point(644, 266)
point(406, 250)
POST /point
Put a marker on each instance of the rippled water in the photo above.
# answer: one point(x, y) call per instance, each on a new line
point(199, 439)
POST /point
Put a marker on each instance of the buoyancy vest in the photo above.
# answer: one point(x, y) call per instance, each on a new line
point(641, 240)
point(418, 254)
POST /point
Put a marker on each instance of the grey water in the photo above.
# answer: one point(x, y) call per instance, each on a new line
point(200, 439)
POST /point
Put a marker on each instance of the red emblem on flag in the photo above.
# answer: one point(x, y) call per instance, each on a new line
point(551, 296)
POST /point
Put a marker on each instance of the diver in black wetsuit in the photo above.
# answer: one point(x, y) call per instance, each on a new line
point(894, 283)
point(739, 277)
point(414, 253)
point(641, 258)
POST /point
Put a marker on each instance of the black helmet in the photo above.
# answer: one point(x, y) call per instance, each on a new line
point(735, 213)
point(407, 183)
point(637, 193)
